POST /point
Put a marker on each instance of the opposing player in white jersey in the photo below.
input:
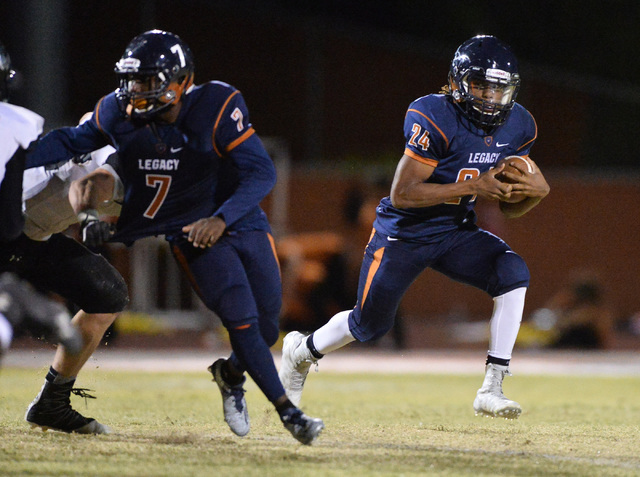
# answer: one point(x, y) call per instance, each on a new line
point(21, 308)
point(58, 263)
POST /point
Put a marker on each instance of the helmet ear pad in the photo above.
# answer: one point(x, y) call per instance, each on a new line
point(454, 88)
point(175, 90)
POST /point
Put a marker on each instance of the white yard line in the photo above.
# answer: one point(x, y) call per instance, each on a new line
point(366, 361)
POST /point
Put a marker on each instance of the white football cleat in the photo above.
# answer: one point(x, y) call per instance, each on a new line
point(294, 368)
point(234, 405)
point(490, 401)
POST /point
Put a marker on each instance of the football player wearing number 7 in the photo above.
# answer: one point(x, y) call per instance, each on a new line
point(453, 141)
point(190, 166)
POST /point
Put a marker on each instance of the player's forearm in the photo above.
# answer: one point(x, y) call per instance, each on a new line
point(426, 194)
point(257, 178)
point(518, 209)
point(91, 191)
point(60, 145)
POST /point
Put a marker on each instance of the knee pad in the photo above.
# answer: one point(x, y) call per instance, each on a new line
point(511, 272)
point(113, 297)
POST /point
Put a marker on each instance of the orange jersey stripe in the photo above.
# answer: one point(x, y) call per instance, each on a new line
point(377, 259)
point(275, 254)
point(419, 158)
point(98, 114)
point(433, 124)
point(534, 136)
point(182, 261)
point(240, 140)
point(215, 126)
point(373, 232)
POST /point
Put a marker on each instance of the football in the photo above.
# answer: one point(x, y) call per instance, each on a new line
point(509, 162)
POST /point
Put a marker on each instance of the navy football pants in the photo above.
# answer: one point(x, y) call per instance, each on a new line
point(238, 278)
point(474, 257)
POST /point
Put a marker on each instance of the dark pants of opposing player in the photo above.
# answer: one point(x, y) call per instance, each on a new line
point(475, 257)
point(66, 267)
point(239, 279)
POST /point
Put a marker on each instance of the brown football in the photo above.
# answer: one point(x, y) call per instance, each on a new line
point(523, 163)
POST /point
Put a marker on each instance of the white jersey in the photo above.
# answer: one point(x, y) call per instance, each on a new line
point(18, 128)
point(46, 196)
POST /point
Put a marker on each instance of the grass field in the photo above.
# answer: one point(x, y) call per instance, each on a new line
point(170, 424)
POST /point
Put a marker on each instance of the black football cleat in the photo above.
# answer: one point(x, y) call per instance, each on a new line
point(51, 409)
point(304, 428)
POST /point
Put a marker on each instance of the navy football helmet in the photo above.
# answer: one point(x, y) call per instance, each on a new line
point(6, 73)
point(154, 72)
point(484, 80)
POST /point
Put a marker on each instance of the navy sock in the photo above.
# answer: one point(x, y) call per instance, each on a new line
point(251, 350)
point(230, 375)
point(286, 408)
point(235, 362)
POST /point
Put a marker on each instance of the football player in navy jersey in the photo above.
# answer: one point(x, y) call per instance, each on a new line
point(453, 141)
point(191, 167)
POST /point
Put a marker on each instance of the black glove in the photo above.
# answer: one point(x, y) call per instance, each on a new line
point(94, 231)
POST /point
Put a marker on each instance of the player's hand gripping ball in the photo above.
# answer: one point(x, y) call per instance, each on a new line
point(515, 165)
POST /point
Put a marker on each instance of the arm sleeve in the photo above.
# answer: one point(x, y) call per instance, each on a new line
point(256, 178)
point(255, 175)
point(530, 130)
point(60, 145)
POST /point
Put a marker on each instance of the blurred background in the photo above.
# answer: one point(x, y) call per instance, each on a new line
point(327, 84)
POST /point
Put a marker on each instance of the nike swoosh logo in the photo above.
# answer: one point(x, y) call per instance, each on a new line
point(392, 239)
point(502, 145)
point(176, 149)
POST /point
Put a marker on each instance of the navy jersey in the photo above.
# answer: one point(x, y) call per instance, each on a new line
point(208, 162)
point(438, 134)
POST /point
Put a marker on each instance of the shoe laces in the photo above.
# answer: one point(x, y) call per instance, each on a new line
point(83, 393)
point(495, 380)
point(300, 375)
point(238, 396)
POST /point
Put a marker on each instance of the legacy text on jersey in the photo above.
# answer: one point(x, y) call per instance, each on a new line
point(484, 157)
point(158, 164)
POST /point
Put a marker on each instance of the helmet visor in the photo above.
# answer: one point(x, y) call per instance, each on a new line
point(490, 96)
point(144, 92)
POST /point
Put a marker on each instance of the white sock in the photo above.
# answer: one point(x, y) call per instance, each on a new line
point(505, 322)
point(6, 333)
point(335, 334)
